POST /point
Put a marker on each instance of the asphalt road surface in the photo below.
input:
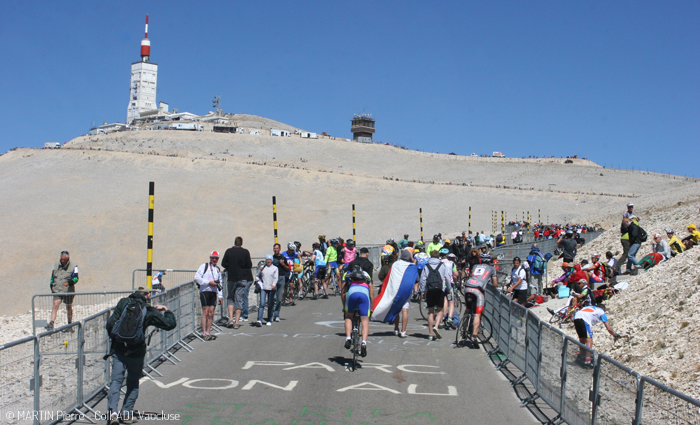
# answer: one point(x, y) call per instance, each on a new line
point(296, 372)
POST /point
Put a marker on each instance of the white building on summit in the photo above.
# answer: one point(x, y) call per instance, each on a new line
point(144, 80)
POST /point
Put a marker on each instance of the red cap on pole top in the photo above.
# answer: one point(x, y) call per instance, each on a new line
point(146, 44)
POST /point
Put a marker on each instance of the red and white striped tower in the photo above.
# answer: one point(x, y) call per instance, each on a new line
point(145, 45)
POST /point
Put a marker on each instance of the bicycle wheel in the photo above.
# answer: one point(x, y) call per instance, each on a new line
point(484, 334)
point(458, 299)
point(555, 319)
point(463, 330)
point(423, 308)
point(356, 329)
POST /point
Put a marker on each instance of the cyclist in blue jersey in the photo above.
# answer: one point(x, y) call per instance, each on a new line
point(291, 257)
point(320, 271)
point(360, 294)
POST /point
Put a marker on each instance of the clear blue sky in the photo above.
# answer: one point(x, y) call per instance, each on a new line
point(616, 82)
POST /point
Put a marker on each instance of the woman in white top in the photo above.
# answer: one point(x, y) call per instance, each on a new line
point(267, 280)
point(518, 281)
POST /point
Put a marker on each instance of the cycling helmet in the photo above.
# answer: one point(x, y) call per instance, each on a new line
point(291, 246)
point(444, 251)
point(350, 242)
point(420, 244)
point(451, 255)
point(334, 241)
point(356, 274)
point(389, 241)
point(485, 258)
point(322, 236)
point(516, 259)
point(630, 204)
point(448, 241)
point(670, 231)
point(595, 256)
point(298, 244)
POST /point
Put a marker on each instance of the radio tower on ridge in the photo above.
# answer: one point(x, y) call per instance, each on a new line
point(144, 80)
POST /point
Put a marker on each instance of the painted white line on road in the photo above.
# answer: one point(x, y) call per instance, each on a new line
point(451, 391)
point(404, 368)
point(231, 384)
point(251, 384)
point(368, 386)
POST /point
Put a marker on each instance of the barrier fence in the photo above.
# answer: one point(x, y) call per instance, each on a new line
point(606, 393)
point(171, 278)
point(83, 304)
point(55, 373)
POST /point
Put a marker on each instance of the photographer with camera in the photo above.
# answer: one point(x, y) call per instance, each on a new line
point(127, 330)
point(208, 278)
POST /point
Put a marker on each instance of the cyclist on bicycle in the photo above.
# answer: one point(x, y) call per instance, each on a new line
point(290, 256)
point(481, 275)
point(360, 295)
point(349, 253)
point(421, 259)
point(332, 261)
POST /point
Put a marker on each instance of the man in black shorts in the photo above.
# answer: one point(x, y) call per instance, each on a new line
point(208, 277)
point(434, 281)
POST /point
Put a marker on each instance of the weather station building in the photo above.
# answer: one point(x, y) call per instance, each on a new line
point(144, 80)
point(362, 128)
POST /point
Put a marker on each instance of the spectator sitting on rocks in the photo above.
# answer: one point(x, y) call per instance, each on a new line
point(661, 246)
point(676, 245)
point(693, 238)
point(649, 261)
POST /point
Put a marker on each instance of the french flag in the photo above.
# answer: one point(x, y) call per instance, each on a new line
point(396, 290)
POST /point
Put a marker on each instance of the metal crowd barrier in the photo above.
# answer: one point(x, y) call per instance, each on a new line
point(84, 304)
point(608, 392)
point(171, 278)
point(57, 372)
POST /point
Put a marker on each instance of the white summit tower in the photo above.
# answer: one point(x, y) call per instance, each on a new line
point(144, 79)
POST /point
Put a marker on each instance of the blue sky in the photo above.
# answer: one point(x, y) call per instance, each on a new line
point(616, 82)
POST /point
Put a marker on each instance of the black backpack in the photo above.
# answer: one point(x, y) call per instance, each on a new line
point(642, 235)
point(129, 327)
point(434, 279)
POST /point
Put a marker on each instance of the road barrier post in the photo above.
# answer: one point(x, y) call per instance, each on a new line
point(421, 224)
point(274, 216)
point(149, 260)
point(354, 238)
point(470, 219)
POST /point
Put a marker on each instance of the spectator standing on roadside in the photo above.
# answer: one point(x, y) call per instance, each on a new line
point(568, 246)
point(64, 276)
point(268, 276)
point(157, 282)
point(538, 266)
point(238, 264)
point(634, 235)
point(208, 277)
point(624, 237)
point(282, 268)
point(128, 349)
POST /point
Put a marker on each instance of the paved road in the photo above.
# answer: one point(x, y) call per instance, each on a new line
point(295, 373)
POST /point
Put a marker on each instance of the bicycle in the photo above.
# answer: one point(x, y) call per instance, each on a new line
point(565, 316)
point(466, 326)
point(333, 287)
point(293, 284)
point(307, 280)
point(356, 338)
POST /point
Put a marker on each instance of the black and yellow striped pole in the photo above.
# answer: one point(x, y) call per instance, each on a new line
point(274, 216)
point(354, 238)
point(539, 216)
point(470, 219)
point(503, 222)
point(421, 224)
point(149, 259)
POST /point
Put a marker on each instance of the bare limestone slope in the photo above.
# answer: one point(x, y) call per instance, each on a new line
point(661, 308)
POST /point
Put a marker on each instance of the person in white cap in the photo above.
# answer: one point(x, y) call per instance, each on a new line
point(267, 278)
point(208, 277)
